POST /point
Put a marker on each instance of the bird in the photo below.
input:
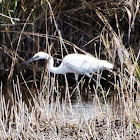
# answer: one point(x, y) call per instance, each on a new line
point(73, 63)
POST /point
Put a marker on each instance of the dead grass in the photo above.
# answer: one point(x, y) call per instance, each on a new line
point(50, 119)
point(45, 117)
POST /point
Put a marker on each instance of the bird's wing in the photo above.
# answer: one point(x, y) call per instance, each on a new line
point(78, 66)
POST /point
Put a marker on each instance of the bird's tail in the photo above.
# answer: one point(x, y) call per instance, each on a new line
point(108, 65)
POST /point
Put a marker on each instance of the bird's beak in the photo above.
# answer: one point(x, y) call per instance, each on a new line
point(28, 61)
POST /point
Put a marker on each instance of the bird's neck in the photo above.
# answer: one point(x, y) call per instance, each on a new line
point(55, 70)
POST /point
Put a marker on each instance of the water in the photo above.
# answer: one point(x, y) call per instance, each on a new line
point(77, 111)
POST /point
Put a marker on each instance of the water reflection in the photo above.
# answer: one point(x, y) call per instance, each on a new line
point(86, 110)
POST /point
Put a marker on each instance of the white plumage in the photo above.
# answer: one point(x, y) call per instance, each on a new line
point(73, 63)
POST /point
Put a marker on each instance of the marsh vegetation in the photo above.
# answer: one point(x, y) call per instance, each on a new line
point(35, 104)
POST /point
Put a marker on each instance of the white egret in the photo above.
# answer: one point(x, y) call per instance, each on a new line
point(73, 63)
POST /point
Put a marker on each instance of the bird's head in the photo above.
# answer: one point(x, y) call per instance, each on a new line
point(38, 56)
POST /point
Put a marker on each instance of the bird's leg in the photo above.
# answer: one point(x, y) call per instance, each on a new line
point(78, 82)
point(90, 76)
point(96, 81)
point(77, 91)
point(87, 74)
point(76, 79)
